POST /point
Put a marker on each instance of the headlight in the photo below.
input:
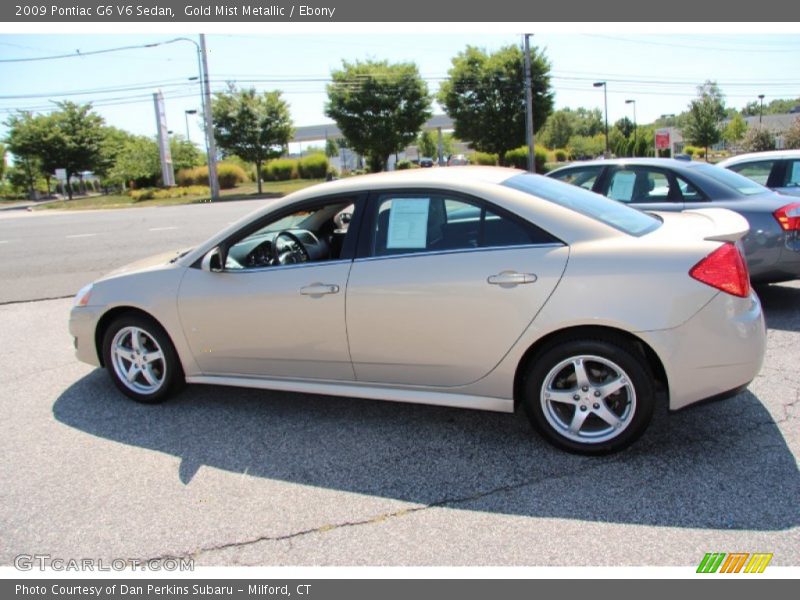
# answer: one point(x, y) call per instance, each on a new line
point(82, 297)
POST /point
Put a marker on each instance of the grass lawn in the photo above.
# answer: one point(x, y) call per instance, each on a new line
point(246, 191)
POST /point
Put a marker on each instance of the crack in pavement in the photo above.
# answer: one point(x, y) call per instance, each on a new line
point(382, 517)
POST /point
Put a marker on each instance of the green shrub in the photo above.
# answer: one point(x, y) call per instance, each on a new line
point(483, 158)
point(280, 169)
point(518, 157)
point(403, 165)
point(139, 195)
point(690, 150)
point(313, 166)
point(229, 176)
point(560, 154)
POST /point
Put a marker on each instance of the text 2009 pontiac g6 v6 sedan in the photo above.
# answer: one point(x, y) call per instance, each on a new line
point(475, 287)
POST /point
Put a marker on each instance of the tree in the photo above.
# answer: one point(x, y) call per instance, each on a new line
point(426, 144)
point(735, 130)
point(485, 97)
point(254, 126)
point(758, 139)
point(137, 162)
point(791, 139)
point(625, 127)
point(559, 127)
point(331, 148)
point(378, 106)
point(26, 139)
point(185, 154)
point(705, 113)
point(76, 140)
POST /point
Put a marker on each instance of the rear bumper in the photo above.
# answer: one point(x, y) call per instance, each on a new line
point(718, 351)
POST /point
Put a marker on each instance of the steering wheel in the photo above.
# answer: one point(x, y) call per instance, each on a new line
point(289, 252)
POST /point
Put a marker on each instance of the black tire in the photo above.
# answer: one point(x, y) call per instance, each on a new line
point(154, 378)
point(583, 419)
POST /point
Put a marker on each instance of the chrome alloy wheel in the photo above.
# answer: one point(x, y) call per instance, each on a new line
point(588, 399)
point(138, 360)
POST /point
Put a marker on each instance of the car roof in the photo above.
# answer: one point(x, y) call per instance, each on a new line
point(667, 163)
point(412, 178)
point(759, 156)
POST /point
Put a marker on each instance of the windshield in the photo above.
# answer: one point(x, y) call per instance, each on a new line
point(729, 179)
point(610, 212)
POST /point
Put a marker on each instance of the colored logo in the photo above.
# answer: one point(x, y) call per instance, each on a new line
point(734, 562)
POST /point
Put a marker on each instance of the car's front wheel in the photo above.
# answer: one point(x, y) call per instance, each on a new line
point(589, 396)
point(141, 359)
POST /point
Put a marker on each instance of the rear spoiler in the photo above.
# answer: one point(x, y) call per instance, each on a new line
point(728, 226)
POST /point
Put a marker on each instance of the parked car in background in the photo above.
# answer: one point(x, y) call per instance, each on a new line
point(457, 160)
point(772, 247)
point(778, 170)
point(426, 162)
point(478, 287)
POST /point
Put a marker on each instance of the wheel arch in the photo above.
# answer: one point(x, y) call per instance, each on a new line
point(110, 316)
point(588, 332)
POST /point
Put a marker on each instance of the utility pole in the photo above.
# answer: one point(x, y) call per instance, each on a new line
point(213, 180)
point(604, 85)
point(529, 106)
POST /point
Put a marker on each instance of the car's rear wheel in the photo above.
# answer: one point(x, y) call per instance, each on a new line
point(141, 359)
point(589, 396)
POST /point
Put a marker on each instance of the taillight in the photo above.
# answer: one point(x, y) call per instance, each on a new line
point(789, 217)
point(725, 270)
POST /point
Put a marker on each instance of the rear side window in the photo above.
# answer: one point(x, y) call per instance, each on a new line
point(414, 223)
point(757, 171)
point(600, 208)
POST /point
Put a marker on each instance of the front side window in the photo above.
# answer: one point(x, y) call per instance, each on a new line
point(312, 234)
point(585, 177)
point(413, 223)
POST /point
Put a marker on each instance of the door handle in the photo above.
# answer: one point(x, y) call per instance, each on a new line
point(511, 278)
point(319, 289)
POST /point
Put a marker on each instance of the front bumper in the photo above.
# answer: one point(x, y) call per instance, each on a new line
point(82, 327)
point(720, 348)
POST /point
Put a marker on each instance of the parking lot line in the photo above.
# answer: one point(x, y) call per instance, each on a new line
point(161, 228)
point(81, 235)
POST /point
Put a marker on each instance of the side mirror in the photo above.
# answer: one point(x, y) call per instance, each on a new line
point(212, 261)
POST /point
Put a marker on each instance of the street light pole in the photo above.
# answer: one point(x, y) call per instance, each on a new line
point(209, 125)
point(605, 102)
point(529, 106)
point(761, 110)
point(186, 114)
point(635, 130)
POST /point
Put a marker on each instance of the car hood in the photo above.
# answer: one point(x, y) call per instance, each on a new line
point(149, 263)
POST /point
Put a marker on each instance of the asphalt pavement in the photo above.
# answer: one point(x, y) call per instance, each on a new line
point(52, 253)
point(245, 477)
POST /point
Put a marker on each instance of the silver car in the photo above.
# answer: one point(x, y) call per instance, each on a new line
point(778, 170)
point(478, 287)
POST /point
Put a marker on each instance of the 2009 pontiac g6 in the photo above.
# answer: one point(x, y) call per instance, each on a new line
point(472, 287)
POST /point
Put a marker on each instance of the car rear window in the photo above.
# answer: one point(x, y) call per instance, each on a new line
point(630, 220)
point(734, 181)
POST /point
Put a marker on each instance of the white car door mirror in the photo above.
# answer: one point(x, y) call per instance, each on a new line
point(212, 261)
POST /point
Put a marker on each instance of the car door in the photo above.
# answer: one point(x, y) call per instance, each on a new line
point(443, 287)
point(271, 321)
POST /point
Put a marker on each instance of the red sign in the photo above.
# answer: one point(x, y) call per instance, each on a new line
point(662, 139)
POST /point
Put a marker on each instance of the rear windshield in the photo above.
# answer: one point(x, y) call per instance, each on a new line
point(734, 181)
point(610, 212)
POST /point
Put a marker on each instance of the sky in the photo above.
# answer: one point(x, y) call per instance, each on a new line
point(660, 71)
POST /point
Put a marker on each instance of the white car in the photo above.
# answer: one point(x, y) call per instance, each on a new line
point(476, 287)
point(779, 170)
